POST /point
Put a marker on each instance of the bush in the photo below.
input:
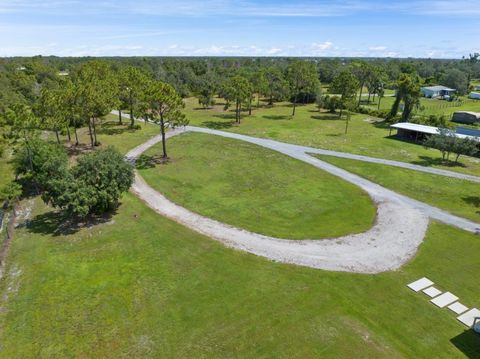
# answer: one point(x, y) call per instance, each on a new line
point(93, 186)
point(40, 161)
point(372, 112)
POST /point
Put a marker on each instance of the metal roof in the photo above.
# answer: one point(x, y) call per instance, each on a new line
point(438, 88)
point(429, 130)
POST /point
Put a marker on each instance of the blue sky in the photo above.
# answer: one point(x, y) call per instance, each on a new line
point(422, 28)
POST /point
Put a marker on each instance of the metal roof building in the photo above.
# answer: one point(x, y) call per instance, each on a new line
point(437, 91)
point(416, 132)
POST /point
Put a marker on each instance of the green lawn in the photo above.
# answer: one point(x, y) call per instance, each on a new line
point(459, 197)
point(110, 133)
point(434, 106)
point(146, 287)
point(258, 189)
point(323, 130)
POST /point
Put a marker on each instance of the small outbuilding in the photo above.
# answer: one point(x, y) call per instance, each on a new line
point(415, 132)
point(466, 117)
point(437, 91)
point(474, 95)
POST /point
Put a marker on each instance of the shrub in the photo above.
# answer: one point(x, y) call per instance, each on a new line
point(93, 186)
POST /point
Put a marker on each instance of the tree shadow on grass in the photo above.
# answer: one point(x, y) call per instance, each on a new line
point(146, 161)
point(383, 125)
point(331, 117)
point(473, 201)
point(114, 129)
point(427, 161)
point(218, 125)
point(225, 116)
point(276, 117)
point(468, 343)
point(58, 223)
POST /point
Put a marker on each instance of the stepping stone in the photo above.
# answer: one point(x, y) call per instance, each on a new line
point(420, 284)
point(457, 308)
point(469, 317)
point(444, 299)
point(432, 292)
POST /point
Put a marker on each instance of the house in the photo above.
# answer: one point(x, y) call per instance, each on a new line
point(417, 133)
point(474, 95)
point(437, 91)
point(466, 117)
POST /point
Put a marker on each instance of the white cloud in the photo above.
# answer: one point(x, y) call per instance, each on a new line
point(377, 48)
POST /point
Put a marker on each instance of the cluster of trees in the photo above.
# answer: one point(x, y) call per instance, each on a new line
point(92, 186)
point(447, 143)
point(62, 103)
point(90, 91)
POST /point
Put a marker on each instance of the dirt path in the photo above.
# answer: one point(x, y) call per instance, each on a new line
point(399, 229)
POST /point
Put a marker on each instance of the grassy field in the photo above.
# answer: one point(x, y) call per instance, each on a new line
point(434, 106)
point(323, 130)
point(110, 133)
point(146, 287)
point(461, 198)
point(258, 189)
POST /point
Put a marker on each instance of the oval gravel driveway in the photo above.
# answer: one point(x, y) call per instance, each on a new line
point(400, 226)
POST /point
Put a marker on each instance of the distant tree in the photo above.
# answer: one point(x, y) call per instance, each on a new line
point(408, 91)
point(97, 90)
point(131, 85)
point(40, 162)
point(303, 78)
point(164, 106)
point(320, 99)
point(332, 103)
point(23, 128)
point(345, 84)
point(444, 141)
point(276, 87)
point(363, 72)
point(381, 94)
point(52, 110)
point(237, 90)
point(454, 78)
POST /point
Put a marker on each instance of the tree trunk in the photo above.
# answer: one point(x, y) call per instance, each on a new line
point(294, 105)
point(90, 132)
point(57, 136)
point(379, 100)
point(68, 134)
point(76, 135)
point(250, 107)
point(162, 130)
point(368, 97)
point(132, 119)
point(360, 96)
point(120, 117)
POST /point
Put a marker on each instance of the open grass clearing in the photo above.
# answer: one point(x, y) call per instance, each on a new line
point(366, 136)
point(456, 196)
point(142, 286)
point(257, 189)
point(433, 106)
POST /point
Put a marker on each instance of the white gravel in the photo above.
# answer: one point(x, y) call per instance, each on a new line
point(400, 226)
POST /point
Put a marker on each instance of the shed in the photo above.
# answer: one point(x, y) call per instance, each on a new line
point(466, 117)
point(474, 95)
point(437, 91)
point(416, 132)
